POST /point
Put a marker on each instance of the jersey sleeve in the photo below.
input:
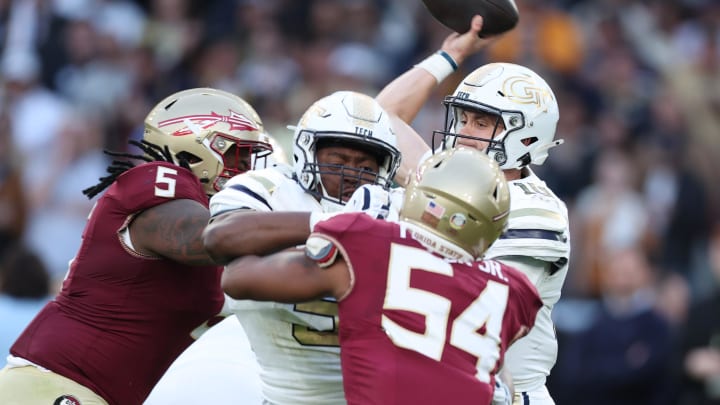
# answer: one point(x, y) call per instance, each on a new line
point(339, 225)
point(253, 190)
point(155, 183)
point(327, 239)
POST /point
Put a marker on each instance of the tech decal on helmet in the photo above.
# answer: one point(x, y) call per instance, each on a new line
point(217, 133)
point(459, 212)
point(350, 119)
point(521, 99)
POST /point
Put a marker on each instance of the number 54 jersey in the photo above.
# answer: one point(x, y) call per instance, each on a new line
point(296, 345)
point(416, 328)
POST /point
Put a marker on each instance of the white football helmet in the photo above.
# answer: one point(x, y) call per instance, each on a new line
point(468, 212)
point(344, 118)
point(518, 96)
point(213, 130)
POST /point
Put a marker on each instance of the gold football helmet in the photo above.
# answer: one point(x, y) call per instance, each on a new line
point(469, 211)
point(217, 133)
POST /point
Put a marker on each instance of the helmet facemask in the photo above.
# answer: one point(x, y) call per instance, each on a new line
point(314, 175)
point(234, 156)
point(521, 99)
point(350, 120)
point(512, 121)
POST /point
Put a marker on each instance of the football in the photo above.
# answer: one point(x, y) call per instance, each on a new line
point(498, 15)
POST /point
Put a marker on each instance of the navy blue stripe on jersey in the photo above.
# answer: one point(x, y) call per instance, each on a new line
point(539, 234)
point(366, 198)
point(533, 234)
point(525, 398)
point(243, 189)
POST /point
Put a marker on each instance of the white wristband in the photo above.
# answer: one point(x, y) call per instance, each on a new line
point(440, 65)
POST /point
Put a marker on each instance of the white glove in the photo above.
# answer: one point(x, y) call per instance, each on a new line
point(397, 197)
point(502, 394)
point(369, 198)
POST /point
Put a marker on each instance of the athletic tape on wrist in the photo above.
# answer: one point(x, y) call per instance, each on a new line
point(440, 65)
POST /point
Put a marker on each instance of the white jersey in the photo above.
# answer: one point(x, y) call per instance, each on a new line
point(296, 345)
point(537, 242)
point(218, 368)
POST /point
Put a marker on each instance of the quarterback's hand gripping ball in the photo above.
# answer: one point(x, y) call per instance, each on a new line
point(499, 16)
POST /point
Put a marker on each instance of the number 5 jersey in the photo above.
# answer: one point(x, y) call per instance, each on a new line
point(121, 317)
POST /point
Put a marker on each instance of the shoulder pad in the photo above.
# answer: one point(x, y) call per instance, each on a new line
point(538, 224)
point(264, 180)
point(249, 190)
point(154, 183)
point(285, 170)
point(534, 206)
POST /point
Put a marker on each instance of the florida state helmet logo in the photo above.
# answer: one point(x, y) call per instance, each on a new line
point(237, 122)
point(66, 400)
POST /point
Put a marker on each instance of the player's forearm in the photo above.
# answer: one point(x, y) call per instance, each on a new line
point(241, 233)
point(413, 148)
point(283, 277)
point(406, 95)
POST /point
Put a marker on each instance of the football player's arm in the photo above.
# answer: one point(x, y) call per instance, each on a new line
point(411, 146)
point(172, 230)
point(405, 96)
point(287, 276)
point(246, 232)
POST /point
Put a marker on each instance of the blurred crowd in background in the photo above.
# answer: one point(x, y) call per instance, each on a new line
point(638, 83)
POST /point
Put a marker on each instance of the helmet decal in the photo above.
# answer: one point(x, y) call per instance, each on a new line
point(457, 221)
point(435, 209)
point(523, 90)
point(237, 121)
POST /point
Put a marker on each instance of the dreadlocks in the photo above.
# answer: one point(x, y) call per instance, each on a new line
point(153, 153)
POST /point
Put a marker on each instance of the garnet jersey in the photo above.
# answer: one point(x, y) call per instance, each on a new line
point(122, 318)
point(417, 328)
point(296, 345)
point(538, 229)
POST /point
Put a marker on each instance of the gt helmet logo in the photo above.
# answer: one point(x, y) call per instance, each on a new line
point(522, 90)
